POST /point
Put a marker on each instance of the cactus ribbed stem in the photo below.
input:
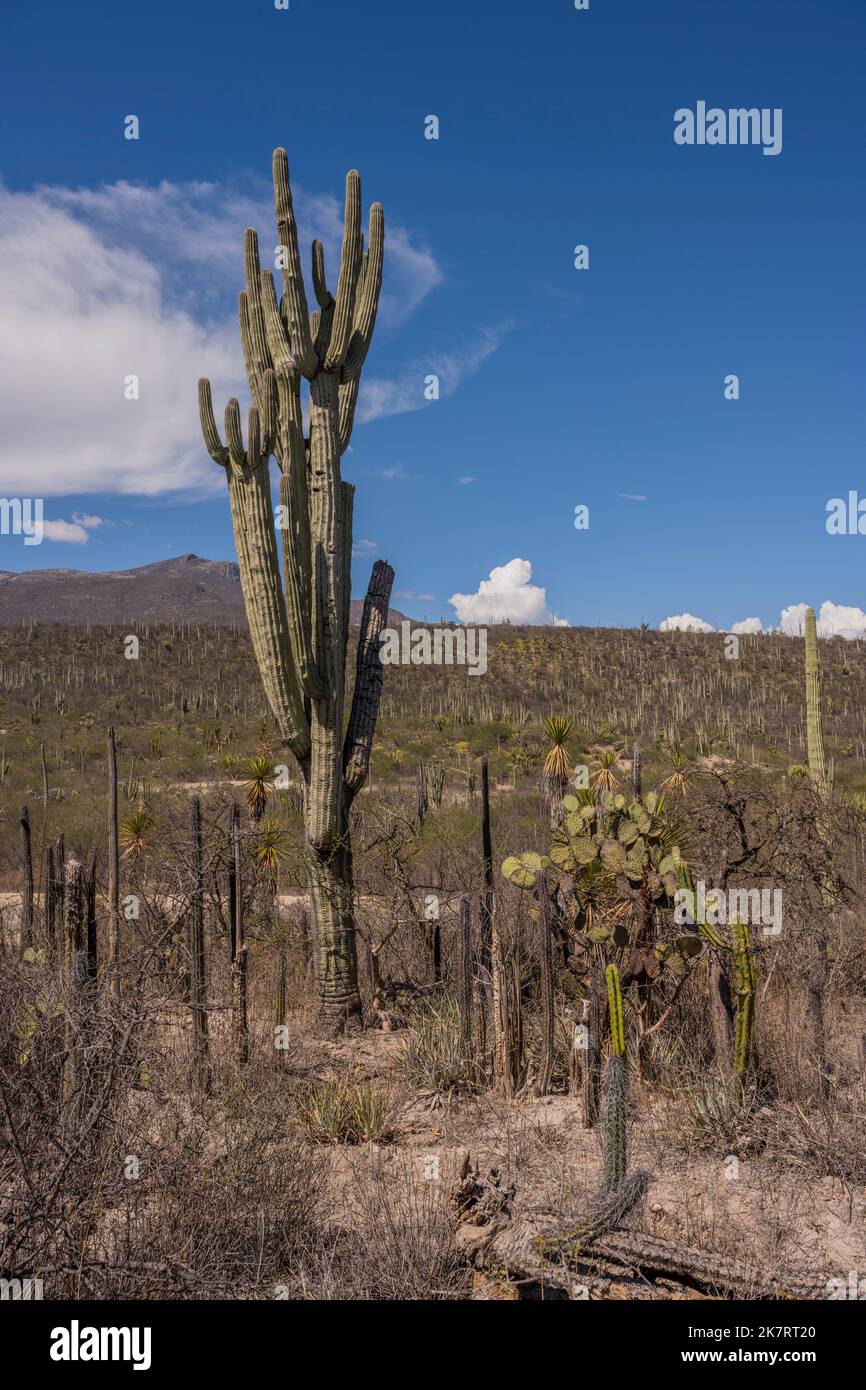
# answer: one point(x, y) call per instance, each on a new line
point(616, 1092)
point(744, 1029)
point(814, 730)
point(113, 866)
point(198, 985)
point(614, 997)
point(545, 989)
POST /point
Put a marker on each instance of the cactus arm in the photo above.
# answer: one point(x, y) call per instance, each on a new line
point(254, 339)
point(253, 526)
point(323, 295)
point(814, 732)
point(614, 996)
point(294, 295)
point(350, 267)
point(358, 744)
point(367, 297)
point(294, 500)
point(348, 401)
point(214, 445)
point(278, 342)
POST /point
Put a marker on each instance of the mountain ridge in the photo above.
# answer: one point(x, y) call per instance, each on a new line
point(184, 588)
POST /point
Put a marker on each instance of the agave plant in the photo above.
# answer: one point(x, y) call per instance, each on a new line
point(260, 773)
point(557, 765)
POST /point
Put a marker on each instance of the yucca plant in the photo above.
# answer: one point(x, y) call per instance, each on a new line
point(271, 846)
point(134, 832)
point(557, 765)
point(678, 782)
point(260, 773)
point(604, 779)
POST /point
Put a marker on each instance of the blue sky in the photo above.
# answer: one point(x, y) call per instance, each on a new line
point(560, 387)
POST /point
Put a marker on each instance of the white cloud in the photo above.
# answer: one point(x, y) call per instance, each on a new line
point(383, 396)
point(632, 496)
point(200, 225)
point(74, 532)
point(101, 284)
point(747, 625)
point(685, 622)
point(834, 620)
point(466, 480)
point(79, 316)
point(506, 596)
point(792, 619)
point(364, 547)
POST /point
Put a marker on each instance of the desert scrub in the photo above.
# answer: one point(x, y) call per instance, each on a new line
point(432, 1058)
point(348, 1111)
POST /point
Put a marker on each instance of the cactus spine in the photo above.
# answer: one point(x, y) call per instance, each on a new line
point(616, 1094)
point(300, 627)
point(814, 731)
point(744, 1028)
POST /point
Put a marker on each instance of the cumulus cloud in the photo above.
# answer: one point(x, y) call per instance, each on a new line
point(685, 622)
point(74, 532)
point(79, 317)
point(747, 625)
point(99, 285)
point(505, 596)
point(833, 620)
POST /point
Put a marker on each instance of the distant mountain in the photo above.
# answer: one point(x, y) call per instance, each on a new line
point(187, 588)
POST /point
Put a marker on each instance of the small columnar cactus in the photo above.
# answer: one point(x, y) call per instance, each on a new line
point(616, 1094)
point(814, 730)
point(744, 1030)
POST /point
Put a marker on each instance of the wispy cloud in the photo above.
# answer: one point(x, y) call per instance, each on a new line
point(395, 472)
point(466, 480)
point(632, 496)
point(364, 547)
point(396, 396)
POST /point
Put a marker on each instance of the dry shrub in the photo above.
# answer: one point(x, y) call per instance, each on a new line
point(402, 1242)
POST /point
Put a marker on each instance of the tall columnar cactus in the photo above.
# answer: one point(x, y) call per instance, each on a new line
point(814, 732)
point(616, 1094)
point(744, 1030)
point(300, 623)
